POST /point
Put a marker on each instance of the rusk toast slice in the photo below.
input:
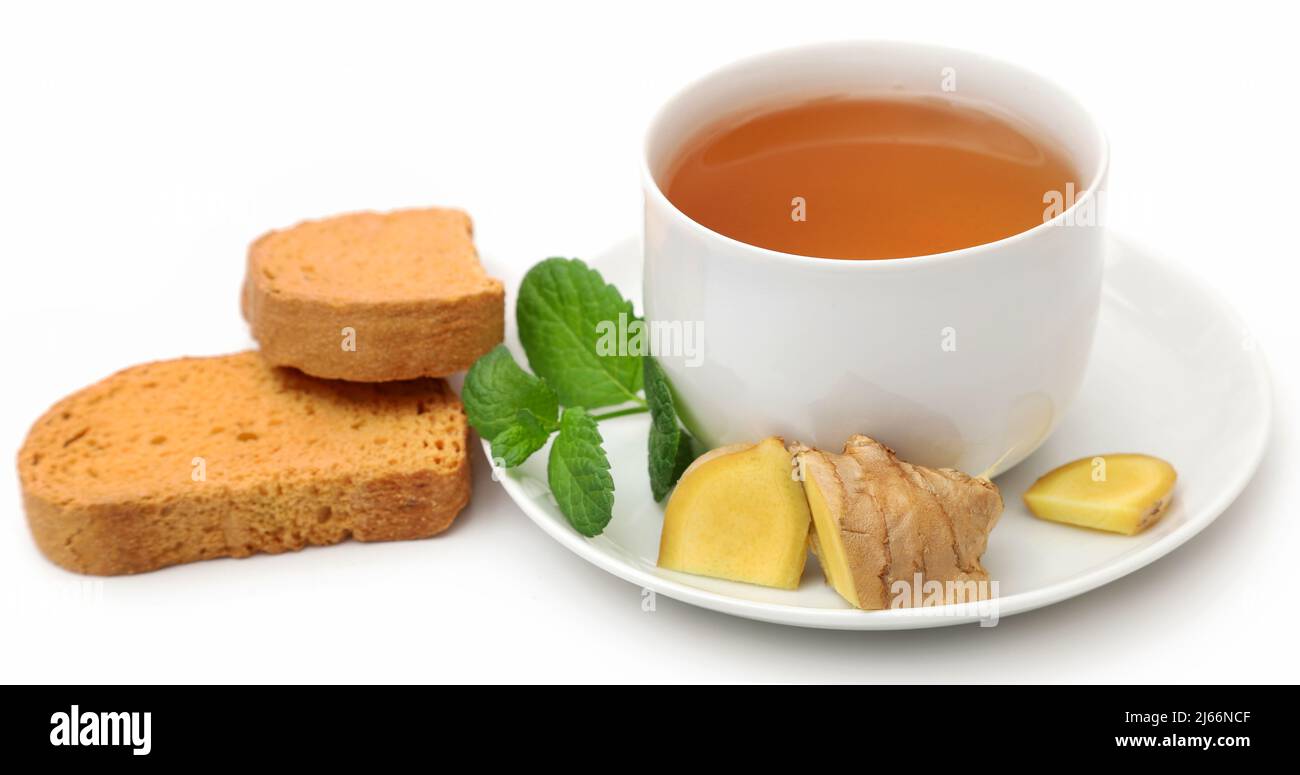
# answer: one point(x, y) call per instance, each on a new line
point(373, 297)
point(198, 458)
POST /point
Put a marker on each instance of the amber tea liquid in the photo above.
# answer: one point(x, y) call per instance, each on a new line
point(868, 177)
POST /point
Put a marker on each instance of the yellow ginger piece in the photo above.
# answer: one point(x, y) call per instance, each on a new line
point(881, 524)
point(738, 513)
point(1121, 493)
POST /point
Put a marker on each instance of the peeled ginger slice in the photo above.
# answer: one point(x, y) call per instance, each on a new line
point(1124, 493)
point(738, 513)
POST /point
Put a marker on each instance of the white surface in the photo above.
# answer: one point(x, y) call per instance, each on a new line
point(142, 149)
point(803, 347)
point(1152, 313)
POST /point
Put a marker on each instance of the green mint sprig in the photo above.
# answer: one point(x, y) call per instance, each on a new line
point(578, 473)
point(671, 447)
point(562, 302)
point(562, 309)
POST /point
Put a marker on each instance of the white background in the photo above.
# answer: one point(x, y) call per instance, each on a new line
point(143, 147)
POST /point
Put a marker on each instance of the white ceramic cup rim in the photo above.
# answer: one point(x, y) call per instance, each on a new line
point(652, 188)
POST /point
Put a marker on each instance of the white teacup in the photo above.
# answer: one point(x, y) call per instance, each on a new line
point(966, 359)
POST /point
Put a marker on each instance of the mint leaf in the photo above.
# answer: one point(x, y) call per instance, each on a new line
point(563, 309)
point(496, 388)
point(670, 446)
point(578, 473)
point(516, 443)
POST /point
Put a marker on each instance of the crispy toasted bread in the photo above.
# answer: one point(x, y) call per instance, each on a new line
point(373, 297)
point(198, 458)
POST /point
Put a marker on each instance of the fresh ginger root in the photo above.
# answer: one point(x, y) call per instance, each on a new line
point(882, 525)
point(740, 513)
point(737, 513)
point(1120, 493)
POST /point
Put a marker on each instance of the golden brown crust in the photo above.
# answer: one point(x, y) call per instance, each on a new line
point(407, 284)
point(288, 461)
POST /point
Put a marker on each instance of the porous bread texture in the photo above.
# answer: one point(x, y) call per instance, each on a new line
point(408, 285)
point(198, 458)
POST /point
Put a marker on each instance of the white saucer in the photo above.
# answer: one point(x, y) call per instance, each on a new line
point(1173, 374)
